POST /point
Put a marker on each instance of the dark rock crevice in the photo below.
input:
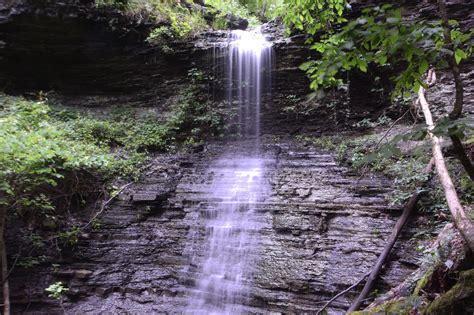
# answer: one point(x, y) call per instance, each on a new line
point(79, 51)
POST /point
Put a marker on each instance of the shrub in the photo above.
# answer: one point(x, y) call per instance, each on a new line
point(36, 154)
point(56, 290)
point(52, 161)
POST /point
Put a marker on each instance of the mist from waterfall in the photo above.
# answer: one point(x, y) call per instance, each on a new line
point(223, 243)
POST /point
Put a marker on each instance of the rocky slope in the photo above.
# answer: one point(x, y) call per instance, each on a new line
point(322, 231)
point(323, 227)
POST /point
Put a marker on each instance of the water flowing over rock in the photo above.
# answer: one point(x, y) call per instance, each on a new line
point(248, 66)
point(224, 242)
point(227, 225)
point(314, 227)
point(314, 240)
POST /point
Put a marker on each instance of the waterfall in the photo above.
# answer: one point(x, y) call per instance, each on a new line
point(249, 62)
point(223, 242)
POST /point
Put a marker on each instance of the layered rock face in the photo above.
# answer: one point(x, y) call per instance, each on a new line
point(89, 56)
point(322, 229)
point(92, 57)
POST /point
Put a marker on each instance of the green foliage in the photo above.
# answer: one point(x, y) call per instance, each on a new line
point(196, 75)
point(180, 23)
point(222, 8)
point(29, 261)
point(379, 37)
point(313, 16)
point(406, 168)
point(297, 107)
point(132, 134)
point(466, 188)
point(56, 290)
point(367, 123)
point(456, 299)
point(36, 153)
point(160, 37)
point(264, 9)
point(56, 160)
point(194, 119)
point(48, 153)
point(118, 4)
point(408, 173)
point(459, 127)
point(70, 237)
point(183, 20)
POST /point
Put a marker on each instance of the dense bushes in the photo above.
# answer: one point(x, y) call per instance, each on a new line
point(180, 22)
point(55, 160)
point(222, 8)
point(36, 153)
point(251, 10)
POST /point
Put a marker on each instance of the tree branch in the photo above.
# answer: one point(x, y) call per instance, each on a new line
point(407, 210)
point(342, 293)
point(460, 219)
point(105, 203)
point(458, 84)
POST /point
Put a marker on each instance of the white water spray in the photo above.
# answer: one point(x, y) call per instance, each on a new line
point(224, 242)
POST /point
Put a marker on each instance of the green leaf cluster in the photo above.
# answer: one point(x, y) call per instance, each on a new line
point(314, 16)
point(263, 9)
point(178, 21)
point(254, 11)
point(195, 119)
point(379, 37)
point(222, 8)
point(56, 290)
point(49, 156)
point(36, 153)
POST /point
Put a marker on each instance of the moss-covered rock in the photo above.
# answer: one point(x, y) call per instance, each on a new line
point(424, 281)
point(458, 300)
point(394, 307)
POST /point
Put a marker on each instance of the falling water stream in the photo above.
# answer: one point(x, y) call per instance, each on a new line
point(226, 228)
point(249, 60)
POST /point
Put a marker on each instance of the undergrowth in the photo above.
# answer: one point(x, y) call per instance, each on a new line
point(54, 160)
point(222, 8)
point(37, 156)
point(182, 20)
point(178, 21)
point(405, 167)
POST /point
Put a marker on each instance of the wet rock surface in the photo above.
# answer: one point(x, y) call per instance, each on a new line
point(322, 229)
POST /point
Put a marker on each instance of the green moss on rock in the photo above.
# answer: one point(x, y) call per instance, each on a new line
point(394, 307)
point(424, 281)
point(458, 299)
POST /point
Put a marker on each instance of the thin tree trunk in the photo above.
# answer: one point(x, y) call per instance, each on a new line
point(462, 156)
point(459, 100)
point(460, 219)
point(3, 253)
point(409, 207)
point(458, 104)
